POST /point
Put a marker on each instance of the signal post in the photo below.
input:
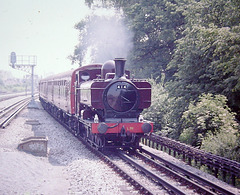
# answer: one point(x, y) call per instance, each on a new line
point(26, 64)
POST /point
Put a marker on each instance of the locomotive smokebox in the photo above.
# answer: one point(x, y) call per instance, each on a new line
point(119, 67)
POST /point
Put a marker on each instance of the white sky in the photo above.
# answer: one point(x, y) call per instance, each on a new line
point(44, 28)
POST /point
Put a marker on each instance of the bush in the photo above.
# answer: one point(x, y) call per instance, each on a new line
point(155, 112)
point(210, 124)
point(224, 143)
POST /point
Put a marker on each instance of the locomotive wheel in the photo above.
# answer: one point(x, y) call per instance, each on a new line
point(100, 142)
point(137, 141)
point(59, 114)
point(84, 135)
point(91, 137)
point(76, 127)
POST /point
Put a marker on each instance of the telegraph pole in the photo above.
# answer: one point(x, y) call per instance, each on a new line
point(26, 64)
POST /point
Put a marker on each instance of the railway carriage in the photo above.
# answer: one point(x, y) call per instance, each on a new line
point(99, 102)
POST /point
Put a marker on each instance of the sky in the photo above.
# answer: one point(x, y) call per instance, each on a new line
point(43, 28)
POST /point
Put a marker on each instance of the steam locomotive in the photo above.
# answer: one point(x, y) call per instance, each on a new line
point(100, 103)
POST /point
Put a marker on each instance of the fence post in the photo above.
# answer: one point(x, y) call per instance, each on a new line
point(184, 157)
point(169, 151)
point(224, 176)
point(189, 160)
point(233, 180)
point(174, 153)
point(157, 146)
point(216, 172)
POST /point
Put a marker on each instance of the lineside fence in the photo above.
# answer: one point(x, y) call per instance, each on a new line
point(222, 168)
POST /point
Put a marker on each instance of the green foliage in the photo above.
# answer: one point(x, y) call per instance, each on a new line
point(156, 25)
point(206, 58)
point(2, 86)
point(223, 143)
point(189, 48)
point(155, 112)
point(210, 116)
point(160, 111)
point(9, 84)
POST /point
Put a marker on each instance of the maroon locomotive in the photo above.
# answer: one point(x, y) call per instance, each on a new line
point(99, 103)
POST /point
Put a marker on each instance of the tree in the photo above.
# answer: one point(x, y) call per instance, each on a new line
point(209, 116)
point(193, 45)
point(156, 25)
point(223, 143)
point(156, 112)
point(206, 58)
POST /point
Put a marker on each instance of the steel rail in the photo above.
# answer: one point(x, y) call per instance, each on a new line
point(138, 186)
point(196, 151)
point(226, 166)
point(10, 96)
point(176, 173)
point(20, 106)
point(168, 186)
point(7, 109)
point(189, 174)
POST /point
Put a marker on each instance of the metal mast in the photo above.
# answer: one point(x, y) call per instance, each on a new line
point(26, 64)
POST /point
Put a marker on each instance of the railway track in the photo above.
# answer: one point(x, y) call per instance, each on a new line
point(153, 182)
point(10, 96)
point(225, 169)
point(171, 181)
point(8, 113)
point(138, 186)
point(171, 177)
point(161, 176)
point(133, 172)
point(202, 185)
point(168, 178)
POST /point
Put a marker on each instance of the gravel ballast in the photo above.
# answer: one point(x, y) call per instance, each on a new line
point(69, 168)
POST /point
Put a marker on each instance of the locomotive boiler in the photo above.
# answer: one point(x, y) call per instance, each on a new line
point(99, 102)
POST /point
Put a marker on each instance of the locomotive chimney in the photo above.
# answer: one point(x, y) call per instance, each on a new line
point(119, 67)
